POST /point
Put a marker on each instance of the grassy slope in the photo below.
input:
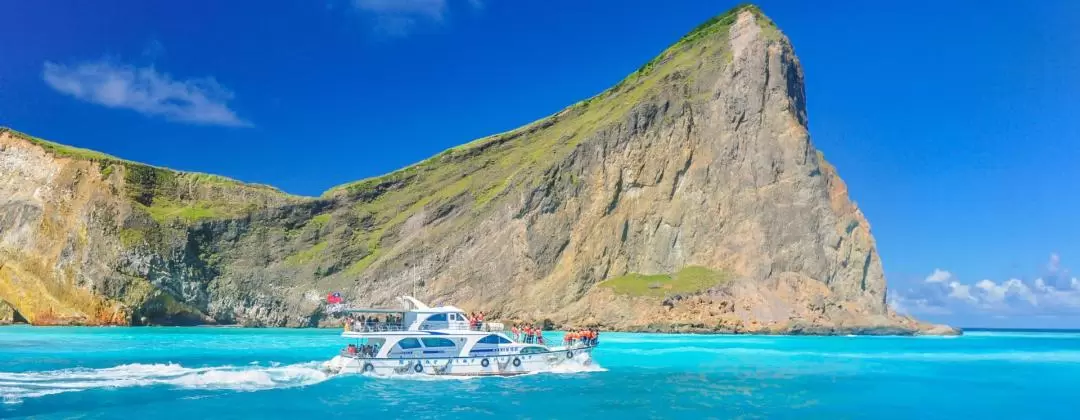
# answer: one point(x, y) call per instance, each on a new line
point(166, 194)
point(515, 161)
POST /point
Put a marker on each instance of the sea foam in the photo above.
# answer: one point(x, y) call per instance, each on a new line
point(16, 386)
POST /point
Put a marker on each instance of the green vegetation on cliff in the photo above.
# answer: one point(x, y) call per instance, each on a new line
point(166, 194)
point(62, 150)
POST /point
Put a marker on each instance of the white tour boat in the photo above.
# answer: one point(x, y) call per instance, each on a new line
point(442, 341)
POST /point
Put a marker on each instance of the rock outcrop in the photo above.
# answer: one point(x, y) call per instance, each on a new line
point(689, 197)
point(7, 313)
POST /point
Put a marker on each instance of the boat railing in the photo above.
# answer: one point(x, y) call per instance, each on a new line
point(488, 327)
point(376, 327)
point(356, 355)
point(569, 344)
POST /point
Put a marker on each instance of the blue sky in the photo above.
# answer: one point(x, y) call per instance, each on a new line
point(954, 123)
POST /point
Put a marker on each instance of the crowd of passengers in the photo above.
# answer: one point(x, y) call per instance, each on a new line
point(534, 335)
point(367, 350)
point(476, 320)
point(588, 337)
point(527, 334)
point(363, 323)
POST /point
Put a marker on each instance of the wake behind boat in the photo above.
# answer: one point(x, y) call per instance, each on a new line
point(444, 341)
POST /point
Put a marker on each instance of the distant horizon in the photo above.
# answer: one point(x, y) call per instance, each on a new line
point(964, 329)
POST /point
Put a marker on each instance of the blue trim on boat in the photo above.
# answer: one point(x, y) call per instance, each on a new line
point(576, 351)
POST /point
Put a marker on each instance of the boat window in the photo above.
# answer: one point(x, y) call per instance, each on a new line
point(493, 339)
point(409, 343)
point(437, 342)
point(532, 350)
point(453, 317)
point(437, 317)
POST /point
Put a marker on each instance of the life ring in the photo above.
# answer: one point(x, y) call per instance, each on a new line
point(517, 362)
point(485, 363)
point(569, 354)
point(418, 368)
point(368, 368)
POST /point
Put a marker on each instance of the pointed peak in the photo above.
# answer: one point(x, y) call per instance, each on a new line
point(724, 20)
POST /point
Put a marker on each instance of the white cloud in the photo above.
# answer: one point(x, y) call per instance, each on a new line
point(997, 293)
point(432, 9)
point(400, 17)
point(1053, 296)
point(146, 91)
point(941, 293)
point(938, 276)
point(919, 306)
point(961, 291)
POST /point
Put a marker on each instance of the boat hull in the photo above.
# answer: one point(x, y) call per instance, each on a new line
point(495, 365)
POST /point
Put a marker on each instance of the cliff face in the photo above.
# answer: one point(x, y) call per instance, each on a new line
point(688, 197)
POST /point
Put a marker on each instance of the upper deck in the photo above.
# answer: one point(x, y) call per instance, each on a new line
point(416, 316)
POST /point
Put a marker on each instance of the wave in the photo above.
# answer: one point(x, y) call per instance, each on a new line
point(690, 338)
point(575, 365)
point(17, 386)
point(1012, 356)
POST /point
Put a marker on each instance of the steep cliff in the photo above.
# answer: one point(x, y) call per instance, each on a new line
point(687, 197)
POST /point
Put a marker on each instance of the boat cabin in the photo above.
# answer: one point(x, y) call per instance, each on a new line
point(411, 346)
point(428, 332)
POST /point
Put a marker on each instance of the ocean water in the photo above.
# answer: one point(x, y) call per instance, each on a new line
point(190, 373)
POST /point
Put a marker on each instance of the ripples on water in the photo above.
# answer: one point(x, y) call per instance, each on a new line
point(214, 372)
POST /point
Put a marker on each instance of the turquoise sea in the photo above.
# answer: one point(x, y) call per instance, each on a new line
point(190, 373)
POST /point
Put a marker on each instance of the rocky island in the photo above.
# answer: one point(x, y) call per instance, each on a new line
point(688, 197)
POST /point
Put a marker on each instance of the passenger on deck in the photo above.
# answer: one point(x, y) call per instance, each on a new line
point(514, 332)
point(539, 336)
point(351, 349)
